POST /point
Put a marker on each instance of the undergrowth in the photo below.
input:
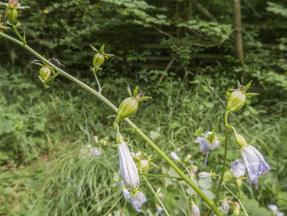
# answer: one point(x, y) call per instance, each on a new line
point(46, 167)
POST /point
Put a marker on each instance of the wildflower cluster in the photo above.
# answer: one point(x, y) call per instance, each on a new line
point(252, 160)
point(201, 183)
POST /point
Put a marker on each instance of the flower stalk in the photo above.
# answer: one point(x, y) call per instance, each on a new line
point(183, 176)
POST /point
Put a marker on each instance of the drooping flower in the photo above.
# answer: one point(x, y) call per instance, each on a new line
point(275, 211)
point(208, 141)
point(174, 156)
point(128, 169)
point(238, 168)
point(195, 211)
point(255, 163)
point(138, 200)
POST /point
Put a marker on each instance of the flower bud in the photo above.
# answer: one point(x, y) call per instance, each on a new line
point(239, 138)
point(45, 73)
point(98, 60)
point(12, 15)
point(128, 167)
point(144, 164)
point(236, 208)
point(236, 100)
point(128, 107)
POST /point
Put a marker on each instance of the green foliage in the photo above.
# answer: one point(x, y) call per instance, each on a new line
point(277, 9)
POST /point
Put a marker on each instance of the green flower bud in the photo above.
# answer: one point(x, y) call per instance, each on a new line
point(128, 107)
point(12, 15)
point(239, 138)
point(227, 177)
point(236, 100)
point(98, 60)
point(45, 73)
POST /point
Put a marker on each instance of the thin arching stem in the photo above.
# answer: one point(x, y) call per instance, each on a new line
point(156, 196)
point(184, 177)
point(227, 127)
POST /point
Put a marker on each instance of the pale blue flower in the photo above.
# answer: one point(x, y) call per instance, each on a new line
point(96, 152)
point(174, 156)
point(238, 168)
point(275, 211)
point(203, 175)
point(255, 163)
point(128, 169)
point(195, 211)
point(208, 141)
point(138, 200)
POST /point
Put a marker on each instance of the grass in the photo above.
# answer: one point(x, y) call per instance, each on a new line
point(47, 170)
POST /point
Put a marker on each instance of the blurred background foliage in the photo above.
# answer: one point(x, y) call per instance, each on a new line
point(181, 53)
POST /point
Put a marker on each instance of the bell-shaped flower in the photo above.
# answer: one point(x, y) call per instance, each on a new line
point(224, 207)
point(208, 141)
point(128, 169)
point(238, 168)
point(138, 200)
point(255, 163)
point(195, 211)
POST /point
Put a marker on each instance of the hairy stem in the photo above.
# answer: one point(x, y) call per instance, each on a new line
point(184, 177)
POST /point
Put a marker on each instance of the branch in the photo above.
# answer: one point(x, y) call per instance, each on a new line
point(115, 109)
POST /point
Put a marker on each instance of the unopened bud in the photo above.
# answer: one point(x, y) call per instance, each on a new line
point(98, 60)
point(128, 107)
point(12, 15)
point(236, 210)
point(236, 100)
point(144, 164)
point(240, 139)
point(45, 73)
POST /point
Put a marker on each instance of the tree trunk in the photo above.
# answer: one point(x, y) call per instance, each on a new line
point(238, 31)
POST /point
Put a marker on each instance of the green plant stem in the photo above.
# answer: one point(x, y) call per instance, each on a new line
point(156, 196)
point(18, 34)
point(184, 177)
point(98, 83)
point(227, 126)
